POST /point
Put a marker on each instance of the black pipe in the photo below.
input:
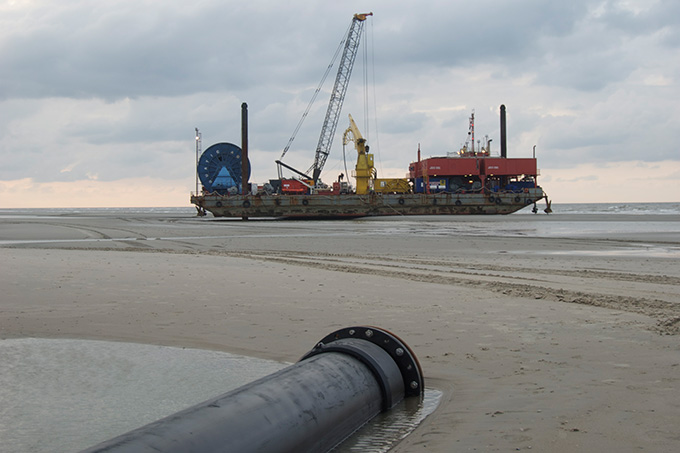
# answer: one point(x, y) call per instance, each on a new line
point(349, 377)
point(504, 143)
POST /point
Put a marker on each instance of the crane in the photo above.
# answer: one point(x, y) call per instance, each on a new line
point(364, 171)
point(330, 122)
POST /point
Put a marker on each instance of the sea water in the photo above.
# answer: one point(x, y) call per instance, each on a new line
point(558, 209)
point(68, 395)
point(566, 220)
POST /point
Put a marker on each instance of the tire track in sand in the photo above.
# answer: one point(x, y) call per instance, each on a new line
point(666, 312)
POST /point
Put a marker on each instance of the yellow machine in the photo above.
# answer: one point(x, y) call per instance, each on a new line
point(391, 185)
point(365, 172)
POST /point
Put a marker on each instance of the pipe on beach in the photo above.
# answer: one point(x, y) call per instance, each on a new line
point(349, 377)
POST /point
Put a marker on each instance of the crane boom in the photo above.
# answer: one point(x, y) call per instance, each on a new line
point(364, 171)
point(338, 94)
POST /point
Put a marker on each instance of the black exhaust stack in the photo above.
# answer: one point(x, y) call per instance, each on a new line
point(504, 143)
point(245, 185)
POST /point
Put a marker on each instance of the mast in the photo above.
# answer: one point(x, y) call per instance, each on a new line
point(472, 131)
point(198, 154)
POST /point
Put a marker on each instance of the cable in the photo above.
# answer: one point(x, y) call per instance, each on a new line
point(367, 128)
point(375, 101)
point(316, 92)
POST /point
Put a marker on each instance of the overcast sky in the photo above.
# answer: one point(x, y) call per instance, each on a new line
point(99, 99)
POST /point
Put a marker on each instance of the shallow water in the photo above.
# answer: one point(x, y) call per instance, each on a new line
point(388, 428)
point(67, 395)
point(181, 211)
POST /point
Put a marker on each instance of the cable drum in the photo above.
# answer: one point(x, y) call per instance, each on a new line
point(219, 168)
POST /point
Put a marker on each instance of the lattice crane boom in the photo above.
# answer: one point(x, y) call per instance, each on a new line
point(338, 94)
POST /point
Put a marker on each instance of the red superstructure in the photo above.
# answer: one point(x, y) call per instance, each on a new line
point(472, 166)
point(461, 173)
point(473, 170)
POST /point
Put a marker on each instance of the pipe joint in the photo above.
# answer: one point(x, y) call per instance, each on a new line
point(391, 345)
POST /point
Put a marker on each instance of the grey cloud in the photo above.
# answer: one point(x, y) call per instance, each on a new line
point(181, 65)
point(475, 32)
point(641, 18)
point(117, 50)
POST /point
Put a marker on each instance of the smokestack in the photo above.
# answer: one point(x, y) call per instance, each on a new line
point(245, 186)
point(244, 149)
point(504, 143)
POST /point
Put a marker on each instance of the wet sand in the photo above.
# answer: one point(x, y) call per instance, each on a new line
point(540, 338)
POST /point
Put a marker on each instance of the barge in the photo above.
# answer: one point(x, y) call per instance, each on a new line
point(468, 182)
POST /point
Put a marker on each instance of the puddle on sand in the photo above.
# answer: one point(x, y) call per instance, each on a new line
point(68, 395)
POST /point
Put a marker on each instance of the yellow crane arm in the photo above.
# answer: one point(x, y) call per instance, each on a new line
point(357, 138)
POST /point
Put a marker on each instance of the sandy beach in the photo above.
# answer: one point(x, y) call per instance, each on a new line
point(539, 337)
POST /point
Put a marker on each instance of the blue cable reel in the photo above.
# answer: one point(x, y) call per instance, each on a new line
point(219, 169)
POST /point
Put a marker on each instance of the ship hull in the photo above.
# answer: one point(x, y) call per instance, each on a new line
point(374, 204)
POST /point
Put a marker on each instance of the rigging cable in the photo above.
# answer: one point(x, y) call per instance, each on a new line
point(375, 101)
point(316, 92)
point(366, 90)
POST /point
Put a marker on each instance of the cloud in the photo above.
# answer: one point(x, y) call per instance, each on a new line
point(578, 179)
point(114, 90)
point(68, 168)
point(621, 182)
point(122, 49)
point(128, 192)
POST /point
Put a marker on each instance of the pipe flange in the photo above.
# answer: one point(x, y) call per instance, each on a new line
point(384, 369)
point(405, 359)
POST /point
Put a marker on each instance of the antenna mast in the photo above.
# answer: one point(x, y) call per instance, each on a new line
point(198, 155)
